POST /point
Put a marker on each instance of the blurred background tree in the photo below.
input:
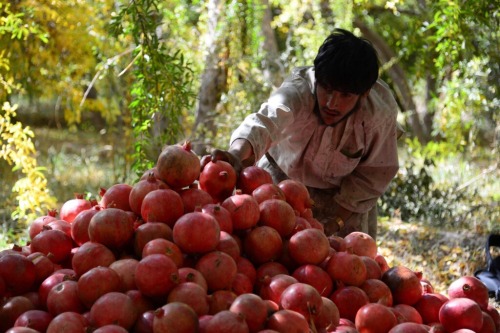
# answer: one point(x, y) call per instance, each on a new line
point(105, 84)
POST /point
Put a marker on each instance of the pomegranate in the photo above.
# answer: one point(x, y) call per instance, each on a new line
point(222, 216)
point(55, 244)
point(63, 297)
point(263, 244)
point(346, 268)
point(380, 259)
point(268, 191)
point(97, 282)
point(90, 255)
point(328, 317)
point(17, 272)
point(409, 328)
point(404, 284)
point(470, 287)
point(144, 323)
point(189, 274)
point(409, 313)
point(273, 287)
point(494, 314)
point(229, 245)
point(110, 328)
point(141, 303)
point(428, 306)
point(458, 313)
point(277, 214)
point(156, 275)
point(162, 205)
point(178, 166)
point(117, 196)
point(218, 269)
point(11, 308)
point(377, 291)
point(38, 320)
point(241, 284)
point(309, 246)
point(194, 197)
point(244, 210)
point(288, 321)
point(218, 179)
point(149, 231)
point(220, 300)
point(373, 270)
point(246, 267)
point(296, 194)
point(227, 322)
point(302, 298)
point(80, 225)
point(300, 224)
point(68, 322)
point(361, 244)
point(196, 232)
point(111, 227)
point(36, 226)
point(488, 324)
point(349, 300)
point(43, 266)
point(125, 268)
point(143, 187)
point(316, 277)
point(175, 317)
point(251, 177)
point(253, 309)
point(375, 318)
point(48, 284)
point(71, 208)
point(191, 294)
point(337, 243)
point(113, 308)
point(268, 270)
point(166, 247)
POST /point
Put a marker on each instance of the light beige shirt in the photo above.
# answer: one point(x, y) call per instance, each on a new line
point(358, 156)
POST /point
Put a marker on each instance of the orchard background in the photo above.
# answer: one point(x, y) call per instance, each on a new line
point(91, 91)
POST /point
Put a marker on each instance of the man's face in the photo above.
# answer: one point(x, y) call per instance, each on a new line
point(335, 105)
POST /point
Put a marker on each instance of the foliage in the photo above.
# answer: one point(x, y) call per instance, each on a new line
point(18, 150)
point(161, 90)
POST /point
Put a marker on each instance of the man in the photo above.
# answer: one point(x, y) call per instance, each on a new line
point(331, 126)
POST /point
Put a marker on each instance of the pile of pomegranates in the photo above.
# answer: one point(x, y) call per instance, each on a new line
point(189, 250)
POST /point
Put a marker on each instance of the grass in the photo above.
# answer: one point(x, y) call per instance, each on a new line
point(84, 162)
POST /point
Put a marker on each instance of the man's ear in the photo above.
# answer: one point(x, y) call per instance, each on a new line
point(366, 93)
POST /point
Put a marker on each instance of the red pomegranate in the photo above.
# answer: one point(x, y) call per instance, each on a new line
point(220, 300)
point(113, 308)
point(149, 231)
point(346, 268)
point(117, 196)
point(196, 232)
point(90, 255)
point(192, 294)
point(268, 191)
point(17, 272)
point(349, 300)
point(55, 244)
point(125, 268)
point(178, 166)
point(337, 243)
point(302, 298)
point(373, 270)
point(36, 226)
point(253, 309)
point(194, 198)
point(409, 313)
point(470, 287)
point(361, 244)
point(141, 188)
point(404, 284)
point(296, 194)
point(263, 244)
point(268, 270)
point(459, 313)
point(97, 282)
point(80, 225)
point(38, 320)
point(277, 214)
point(377, 291)
point(11, 308)
point(229, 245)
point(428, 306)
point(273, 287)
point(375, 318)
point(227, 322)
point(68, 322)
point(111, 227)
point(251, 178)
point(189, 274)
point(218, 179)
point(241, 284)
point(156, 275)
point(244, 210)
point(175, 317)
point(222, 216)
point(246, 267)
point(218, 269)
point(309, 246)
point(328, 317)
point(44, 267)
point(163, 205)
point(144, 322)
point(166, 247)
point(316, 277)
point(288, 321)
point(409, 328)
point(63, 297)
point(71, 208)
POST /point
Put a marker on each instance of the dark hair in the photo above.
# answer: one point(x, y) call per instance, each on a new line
point(346, 63)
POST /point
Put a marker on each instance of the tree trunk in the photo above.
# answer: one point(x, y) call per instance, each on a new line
point(400, 86)
point(213, 83)
point(273, 69)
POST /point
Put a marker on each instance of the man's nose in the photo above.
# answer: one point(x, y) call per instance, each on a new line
point(332, 100)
